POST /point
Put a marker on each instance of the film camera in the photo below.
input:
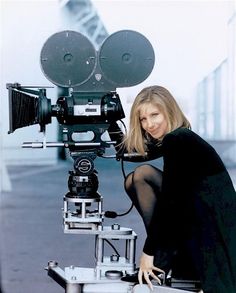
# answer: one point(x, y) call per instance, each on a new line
point(88, 105)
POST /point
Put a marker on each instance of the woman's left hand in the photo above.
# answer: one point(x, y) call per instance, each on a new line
point(146, 269)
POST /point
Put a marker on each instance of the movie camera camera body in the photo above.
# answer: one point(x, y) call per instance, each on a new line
point(88, 79)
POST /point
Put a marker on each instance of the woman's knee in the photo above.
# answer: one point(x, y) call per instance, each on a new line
point(128, 183)
point(142, 172)
point(148, 174)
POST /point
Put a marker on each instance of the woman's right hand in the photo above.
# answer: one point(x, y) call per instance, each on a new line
point(146, 269)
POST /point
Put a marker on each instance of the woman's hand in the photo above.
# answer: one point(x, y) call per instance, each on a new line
point(146, 269)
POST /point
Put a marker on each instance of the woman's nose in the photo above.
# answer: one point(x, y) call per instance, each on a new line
point(149, 123)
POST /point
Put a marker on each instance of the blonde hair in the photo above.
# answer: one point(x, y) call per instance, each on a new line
point(161, 97)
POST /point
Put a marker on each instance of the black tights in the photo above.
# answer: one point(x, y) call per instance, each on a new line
point(143, 186)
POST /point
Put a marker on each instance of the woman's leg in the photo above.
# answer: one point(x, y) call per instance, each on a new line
point(143, 186)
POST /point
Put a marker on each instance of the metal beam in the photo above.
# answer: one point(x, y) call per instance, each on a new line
point(82, 16)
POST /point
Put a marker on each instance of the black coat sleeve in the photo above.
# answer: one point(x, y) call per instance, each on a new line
point(166, 220)
point(116, 135)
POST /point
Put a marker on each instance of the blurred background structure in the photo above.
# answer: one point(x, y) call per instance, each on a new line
point(194, 42)
point(216, 101)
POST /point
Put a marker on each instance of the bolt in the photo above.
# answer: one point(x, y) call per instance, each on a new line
point(114, 258)
point(115, 227)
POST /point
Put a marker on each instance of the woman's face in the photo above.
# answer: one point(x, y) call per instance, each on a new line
point(153, 120)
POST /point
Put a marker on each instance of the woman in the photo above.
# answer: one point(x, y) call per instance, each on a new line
point(189, 207)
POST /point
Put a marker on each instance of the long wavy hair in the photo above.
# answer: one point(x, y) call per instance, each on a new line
point(159, 96)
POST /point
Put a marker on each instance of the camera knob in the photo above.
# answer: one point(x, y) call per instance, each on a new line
point(114, 258)
point(115, 227)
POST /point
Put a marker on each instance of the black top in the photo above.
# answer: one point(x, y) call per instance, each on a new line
point(197, 207)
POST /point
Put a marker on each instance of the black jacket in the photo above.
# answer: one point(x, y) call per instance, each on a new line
point(196, 209)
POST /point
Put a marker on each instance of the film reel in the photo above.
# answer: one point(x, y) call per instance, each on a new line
point(68, 59)
point(126, 58)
